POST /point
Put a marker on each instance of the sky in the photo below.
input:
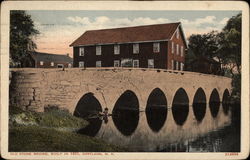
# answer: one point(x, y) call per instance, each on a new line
point(58, 29)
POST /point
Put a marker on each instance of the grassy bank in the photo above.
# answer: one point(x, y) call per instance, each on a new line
point(51, 131)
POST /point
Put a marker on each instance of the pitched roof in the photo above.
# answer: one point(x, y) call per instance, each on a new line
point(47, 57)
point(128, 34)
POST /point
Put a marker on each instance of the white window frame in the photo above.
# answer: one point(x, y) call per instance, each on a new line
point(41, 63)
point(156, 47)
point(98, 63)
point(116, 63)
point(134, 63)
point(98, 50)
point(177, 65)
point(149, 61)
point(177, 49)
point(81, 51)
point(81, 64)
point(181, 51)
point(177, 33)
point(172, 61)
point(136, 48)
point(172, 47)
point(182, 66)
point(116, 49)
point(52, 64)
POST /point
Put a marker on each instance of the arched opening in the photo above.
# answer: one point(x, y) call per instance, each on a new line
point(88, 108)
point(226, 101)
point(214, 102)
point(156, 109)
point(125, 114)
point(199, 104)
point(180, 107)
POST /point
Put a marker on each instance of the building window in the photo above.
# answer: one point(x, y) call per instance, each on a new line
point(98, 50)
point(52, 64)
point(136, 48)
point(81, 64)
point(127, 62)
point(177, 49)
point(177, 65)
point(69, 65)
point(81, 51)
point(181, 51)
point(177, 33)
point(150, 63)
point(41, 63)
point(116, 63)
point(156, 47)
point(172, 61)
point(173, 47)
point(98, 63)
point(182, 66)
point(136, 63)
point(60, 65)
point(117, 49)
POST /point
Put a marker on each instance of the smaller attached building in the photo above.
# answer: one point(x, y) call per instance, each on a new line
point(46, 60)
point(151, 46)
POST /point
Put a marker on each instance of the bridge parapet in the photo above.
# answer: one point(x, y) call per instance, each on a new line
point(35, 89)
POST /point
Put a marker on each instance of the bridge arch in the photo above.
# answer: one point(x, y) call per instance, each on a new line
point(180, 106)
point(88, 105)
point(125, 113)
point(156, 109)
point(199, 104)
point(214, 102)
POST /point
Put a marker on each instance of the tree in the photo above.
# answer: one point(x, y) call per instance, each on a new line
point(230, 45)
point(22, 32)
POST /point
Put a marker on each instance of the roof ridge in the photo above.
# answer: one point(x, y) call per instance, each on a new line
point(133, 26)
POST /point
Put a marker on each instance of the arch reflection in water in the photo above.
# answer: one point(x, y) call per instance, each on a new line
point(156, 109)
point(199, 104)
point(180, 107)
point(88, 108)
point(125, 114)
point(92, 128)
point(214, 102)
point(226, 101)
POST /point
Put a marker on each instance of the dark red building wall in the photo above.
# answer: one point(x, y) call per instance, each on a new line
point(126, 51)
point(174, 56)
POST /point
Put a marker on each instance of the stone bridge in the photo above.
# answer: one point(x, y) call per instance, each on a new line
point(35, 89)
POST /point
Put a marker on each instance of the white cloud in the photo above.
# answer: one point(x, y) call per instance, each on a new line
point(224, 21)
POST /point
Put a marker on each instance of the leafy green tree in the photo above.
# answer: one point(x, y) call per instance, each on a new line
point(230, 45)
point(22, 32)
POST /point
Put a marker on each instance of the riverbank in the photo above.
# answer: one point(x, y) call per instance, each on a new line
point(51, 131)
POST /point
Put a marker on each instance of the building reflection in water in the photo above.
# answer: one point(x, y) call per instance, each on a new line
point(156, 110)
point(125, 114)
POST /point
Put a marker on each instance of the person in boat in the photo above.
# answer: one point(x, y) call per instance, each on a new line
point(105, 112)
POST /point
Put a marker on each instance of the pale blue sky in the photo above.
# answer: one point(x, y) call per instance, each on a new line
point(60, 28)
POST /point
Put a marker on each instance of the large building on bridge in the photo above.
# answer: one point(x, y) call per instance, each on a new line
point(150, 46)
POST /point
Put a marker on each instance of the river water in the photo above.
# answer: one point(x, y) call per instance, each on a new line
point(198, 128)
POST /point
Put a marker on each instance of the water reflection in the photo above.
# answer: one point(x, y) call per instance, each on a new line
point(92, 128)
point(226, 108)
point(214, 108)
point(125, 114)
point(156, 109)
point(199, 104)
point(199, 111)
point(180, 106)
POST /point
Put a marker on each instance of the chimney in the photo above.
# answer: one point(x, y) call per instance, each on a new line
point(67, 54)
